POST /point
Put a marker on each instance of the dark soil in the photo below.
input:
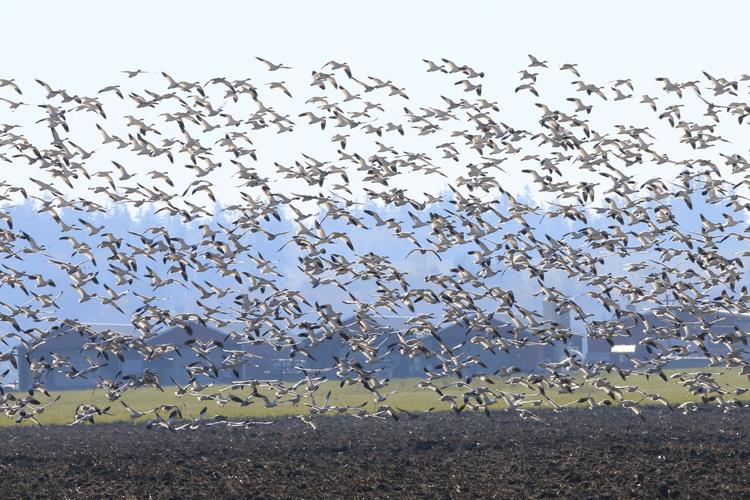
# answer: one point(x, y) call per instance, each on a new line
point(608, 453)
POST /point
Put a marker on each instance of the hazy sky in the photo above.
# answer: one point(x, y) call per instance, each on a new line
point(82, 47)
point(84, 42)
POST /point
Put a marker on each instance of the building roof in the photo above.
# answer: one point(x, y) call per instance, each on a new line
point(624, 349)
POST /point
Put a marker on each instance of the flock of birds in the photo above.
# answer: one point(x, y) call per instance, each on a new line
point(185, 147)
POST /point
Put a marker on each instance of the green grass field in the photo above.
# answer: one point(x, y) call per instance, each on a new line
point(407, 396)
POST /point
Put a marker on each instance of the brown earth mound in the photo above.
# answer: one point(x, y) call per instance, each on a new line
point(608, 453)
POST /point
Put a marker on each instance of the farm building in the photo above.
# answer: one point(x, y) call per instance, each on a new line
point(71, 359)
point(407, 349)
point(675, 334)
point(68, 345)
point(525, 349)
point(205, 350)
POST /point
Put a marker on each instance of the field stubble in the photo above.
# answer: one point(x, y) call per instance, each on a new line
point(579, 453)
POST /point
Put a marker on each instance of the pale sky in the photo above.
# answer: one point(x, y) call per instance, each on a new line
point(83, 46)
point(85, 42)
